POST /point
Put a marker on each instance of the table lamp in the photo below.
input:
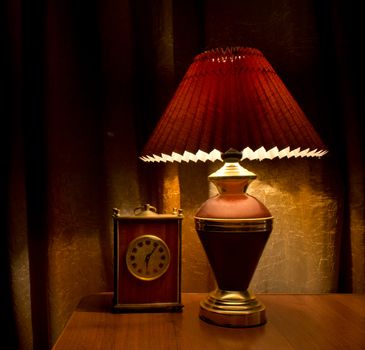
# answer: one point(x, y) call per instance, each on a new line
point(231, 105)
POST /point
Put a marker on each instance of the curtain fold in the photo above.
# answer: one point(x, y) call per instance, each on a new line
point(86, 82)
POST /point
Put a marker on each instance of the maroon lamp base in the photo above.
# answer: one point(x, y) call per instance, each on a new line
point(233, 228)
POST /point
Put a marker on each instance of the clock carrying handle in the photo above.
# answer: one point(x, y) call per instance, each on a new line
point(145, 209)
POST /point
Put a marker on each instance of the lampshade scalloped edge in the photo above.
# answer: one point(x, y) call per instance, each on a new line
point(247, 153)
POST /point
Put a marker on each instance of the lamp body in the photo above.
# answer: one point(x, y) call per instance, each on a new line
point(233, 228)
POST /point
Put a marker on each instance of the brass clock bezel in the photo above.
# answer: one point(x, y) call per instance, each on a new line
point(129, 262)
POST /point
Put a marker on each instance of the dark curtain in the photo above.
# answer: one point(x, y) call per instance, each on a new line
point(84, 83)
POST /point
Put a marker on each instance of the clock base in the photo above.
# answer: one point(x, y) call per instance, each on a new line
point(152, 307)
point(232, 309)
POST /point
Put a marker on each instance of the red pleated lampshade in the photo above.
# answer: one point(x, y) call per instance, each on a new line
point(232, 98)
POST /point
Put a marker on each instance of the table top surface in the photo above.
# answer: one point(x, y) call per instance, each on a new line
point(295, 321)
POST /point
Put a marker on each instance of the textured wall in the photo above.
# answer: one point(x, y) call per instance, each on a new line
point(301, 255)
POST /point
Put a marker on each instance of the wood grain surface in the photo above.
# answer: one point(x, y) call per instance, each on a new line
point(323, 322)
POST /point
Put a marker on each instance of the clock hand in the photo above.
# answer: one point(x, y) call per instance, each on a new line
point(148, 256)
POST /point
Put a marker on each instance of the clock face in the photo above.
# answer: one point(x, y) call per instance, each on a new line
point(148, 257)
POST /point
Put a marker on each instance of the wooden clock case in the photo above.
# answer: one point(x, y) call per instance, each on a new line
point(132, 294)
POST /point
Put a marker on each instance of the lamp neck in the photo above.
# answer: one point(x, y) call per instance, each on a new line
point(232, 178)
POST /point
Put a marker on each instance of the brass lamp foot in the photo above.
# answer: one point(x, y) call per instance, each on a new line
point(232, 309)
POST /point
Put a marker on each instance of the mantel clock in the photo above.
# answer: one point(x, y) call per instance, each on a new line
point(147, 260)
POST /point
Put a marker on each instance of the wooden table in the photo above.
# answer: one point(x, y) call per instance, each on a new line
point(308, 322)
